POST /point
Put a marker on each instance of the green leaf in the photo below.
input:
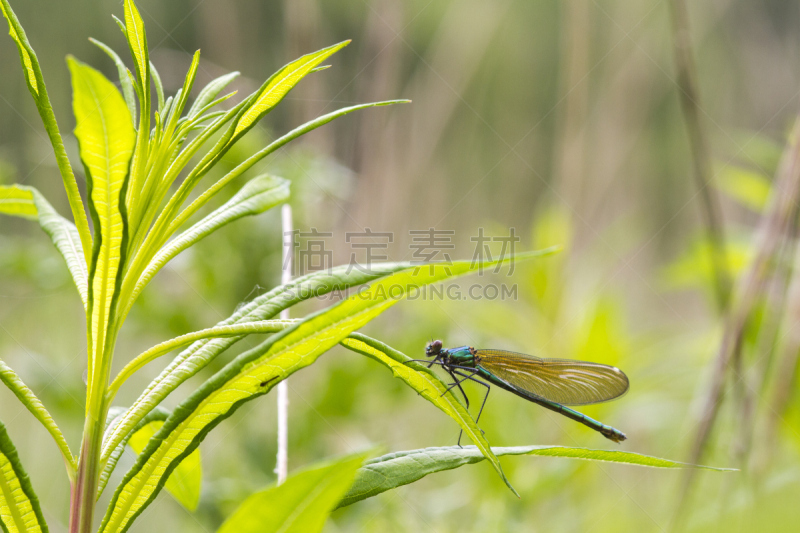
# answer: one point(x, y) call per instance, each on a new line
point(146, 197)
point(19, 506)
point(202, 352)
point(748, 187)
point(137, 41)
point(300, 505)
point(279, 86)
point(153, 241)
point(185, 481)
point(201, 200)
point(219, 332)
point(159, 86)
point(26, 54)
point(255, 372)
point(256, 107)
point(113, 418)
point(27, 202)
point(401, 468)
point(106, 137)
point(38, 410)
point(186, 126)
point(258, 195)
point(36, 86)
point(17, 201)
point(124, 79)
point(183, 94)
point(210, 92)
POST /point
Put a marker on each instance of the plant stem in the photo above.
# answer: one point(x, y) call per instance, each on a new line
point(85, 489)
point(771, 232)
point(282, 466)
point(687, 83)
point(769, 337)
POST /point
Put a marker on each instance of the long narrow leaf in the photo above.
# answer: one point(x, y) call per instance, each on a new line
point(17, 201)
point(115, 415)
point(124, 80)
point(159, 87)
point(184, 483)
point(300, 505)
point(137, 42)
point(258, 195)
point(401, 468)
point(133, 276)
point(255, 372)
point(19, 506)
point(26, 55)
point(280, 85)
point(38, 410)
point(144, 204)
point(265, 307)
point(219, 332)
point(187, 125)
point(106, 137)
point(36, 86)
point(27, 202)
point(201, 200)
point(153, 242)
point(261, 103)
point(210, 92)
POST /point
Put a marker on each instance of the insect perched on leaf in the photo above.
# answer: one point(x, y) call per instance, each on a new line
point(551, 383)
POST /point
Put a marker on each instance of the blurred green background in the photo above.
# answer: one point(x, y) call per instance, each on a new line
point(558, 119)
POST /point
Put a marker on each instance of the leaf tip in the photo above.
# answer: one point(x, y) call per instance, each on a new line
point(556, 248)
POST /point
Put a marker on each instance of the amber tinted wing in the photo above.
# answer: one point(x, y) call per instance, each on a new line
point(558, 380)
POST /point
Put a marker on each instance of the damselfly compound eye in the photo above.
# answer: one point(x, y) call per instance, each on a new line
point(433, 348)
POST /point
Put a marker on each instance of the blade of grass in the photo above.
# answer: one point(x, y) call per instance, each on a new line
point(690, 105)
point(772, 228)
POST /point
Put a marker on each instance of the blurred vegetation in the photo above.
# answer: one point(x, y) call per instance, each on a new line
point(559, 119)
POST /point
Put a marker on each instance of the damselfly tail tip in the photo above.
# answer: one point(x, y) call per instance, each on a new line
point(615, 435)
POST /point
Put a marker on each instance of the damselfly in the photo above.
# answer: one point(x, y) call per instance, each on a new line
point(551, 383)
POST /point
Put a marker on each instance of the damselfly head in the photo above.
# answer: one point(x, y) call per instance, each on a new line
point(433, 348)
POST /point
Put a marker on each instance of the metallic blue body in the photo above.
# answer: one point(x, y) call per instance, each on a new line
point(466, 357)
